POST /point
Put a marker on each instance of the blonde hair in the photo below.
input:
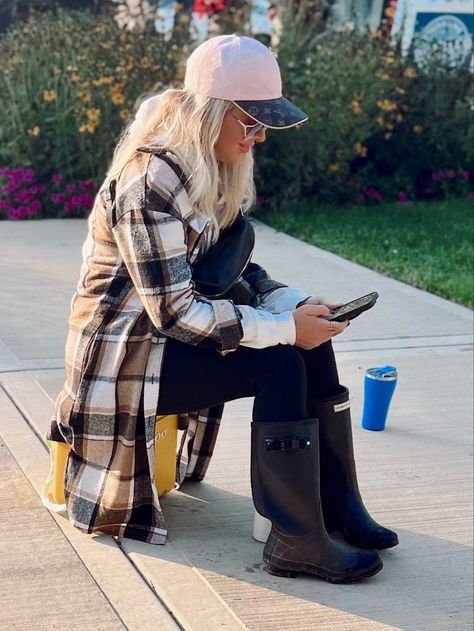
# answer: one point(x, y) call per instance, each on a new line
point(189, 125)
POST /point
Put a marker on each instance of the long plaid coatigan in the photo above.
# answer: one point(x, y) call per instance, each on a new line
point(135, 289)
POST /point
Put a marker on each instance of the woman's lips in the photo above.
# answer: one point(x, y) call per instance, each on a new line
point(244, 148)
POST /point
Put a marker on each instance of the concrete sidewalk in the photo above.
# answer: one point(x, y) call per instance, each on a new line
point(416, 476)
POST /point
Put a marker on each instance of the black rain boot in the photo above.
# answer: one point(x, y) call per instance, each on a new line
point(285, 487)
point(342, 503)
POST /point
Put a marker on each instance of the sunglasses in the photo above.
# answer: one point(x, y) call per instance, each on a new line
point(249, 130)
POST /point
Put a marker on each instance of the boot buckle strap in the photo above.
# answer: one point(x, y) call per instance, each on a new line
point(287, 443)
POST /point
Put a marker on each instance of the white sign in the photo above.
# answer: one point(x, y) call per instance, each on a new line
point(449, 22)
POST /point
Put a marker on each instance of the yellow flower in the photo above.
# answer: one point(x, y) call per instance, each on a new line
point(383, 75)
point(400, 90)
point(355, 107)
point(56, 70)
point(360, 150)
point(105, 45)
point(380, 121)
point(75, 77)
point(389, 59)
point(417, 129)
point(85, 96)
point(35, 131)
point(388, 135)
point(389, 126)
point(117, 98)
point(410, 73)
point(102, 81)
point(49, 95)
point(334, 167)
point(399, 118)
point(93, 115)
point(124, 114)
point(387, 106)
point(89, 128)
point(377, 34)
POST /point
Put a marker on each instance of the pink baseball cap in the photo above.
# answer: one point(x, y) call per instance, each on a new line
point(244, 71)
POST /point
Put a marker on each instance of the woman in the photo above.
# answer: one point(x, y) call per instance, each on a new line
point(143, 342)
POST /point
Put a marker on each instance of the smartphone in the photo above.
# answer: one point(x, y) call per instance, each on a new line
point(352, 309)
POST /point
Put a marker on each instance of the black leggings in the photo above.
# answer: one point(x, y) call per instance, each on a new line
point(281, 378)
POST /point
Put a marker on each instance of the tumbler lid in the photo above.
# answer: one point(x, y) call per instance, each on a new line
point(387, 373)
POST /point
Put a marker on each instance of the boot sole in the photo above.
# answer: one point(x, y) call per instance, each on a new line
point(291, 572)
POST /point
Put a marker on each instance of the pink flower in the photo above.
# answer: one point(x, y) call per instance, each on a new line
point(465, 174)
point(451, 174)
point(402, 197)
point(57, 179)
point(5, 204)
point(435, 177)
point(57, 198)
point(70, 188)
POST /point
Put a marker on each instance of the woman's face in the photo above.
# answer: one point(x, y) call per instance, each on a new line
point(231, 146)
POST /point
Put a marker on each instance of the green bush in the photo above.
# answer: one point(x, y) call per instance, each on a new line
point(379, 126)
point(68, 84)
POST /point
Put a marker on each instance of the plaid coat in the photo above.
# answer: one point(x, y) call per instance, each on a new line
point(135, 289)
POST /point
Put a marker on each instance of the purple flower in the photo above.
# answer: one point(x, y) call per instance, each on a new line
point(5, 204)
point(23, 197)
point(57, 179)
point(451, 174)
point(378, 197)
point(34, 207)
point(70, 188)
point(69, 206)
point(9, 188)
point(57, 198)
point(402, 197)
point(465, 174)
point(37, 188)
point(27, 174)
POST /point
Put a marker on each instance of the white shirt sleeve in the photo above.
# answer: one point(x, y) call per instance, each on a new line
point(262, 328)
point(283, 299)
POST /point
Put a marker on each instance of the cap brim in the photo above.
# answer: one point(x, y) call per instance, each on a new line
point(275, 113)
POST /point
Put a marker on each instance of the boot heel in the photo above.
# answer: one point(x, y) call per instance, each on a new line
point(276, 571)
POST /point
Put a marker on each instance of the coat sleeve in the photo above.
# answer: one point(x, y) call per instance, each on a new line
point(271, 295)
point(152, 244)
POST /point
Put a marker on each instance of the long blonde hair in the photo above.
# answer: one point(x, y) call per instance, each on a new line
point(189, 124)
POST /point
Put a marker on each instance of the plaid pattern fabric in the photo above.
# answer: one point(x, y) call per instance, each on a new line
point(135, 289)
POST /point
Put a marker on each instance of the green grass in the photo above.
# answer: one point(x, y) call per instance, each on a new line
point(425, 244)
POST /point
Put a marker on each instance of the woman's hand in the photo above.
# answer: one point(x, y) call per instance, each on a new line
point(319, 300)
point(312, 329)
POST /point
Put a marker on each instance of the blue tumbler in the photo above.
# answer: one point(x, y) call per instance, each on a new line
point(379, 385)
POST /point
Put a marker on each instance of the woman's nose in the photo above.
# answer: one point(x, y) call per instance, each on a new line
point(261, 136)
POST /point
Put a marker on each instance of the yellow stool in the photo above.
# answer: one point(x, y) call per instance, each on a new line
point(166, 436)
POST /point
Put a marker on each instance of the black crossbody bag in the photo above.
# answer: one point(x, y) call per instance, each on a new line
point(217, 273)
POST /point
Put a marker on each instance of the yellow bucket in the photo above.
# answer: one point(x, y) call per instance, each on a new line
point(166, 436)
